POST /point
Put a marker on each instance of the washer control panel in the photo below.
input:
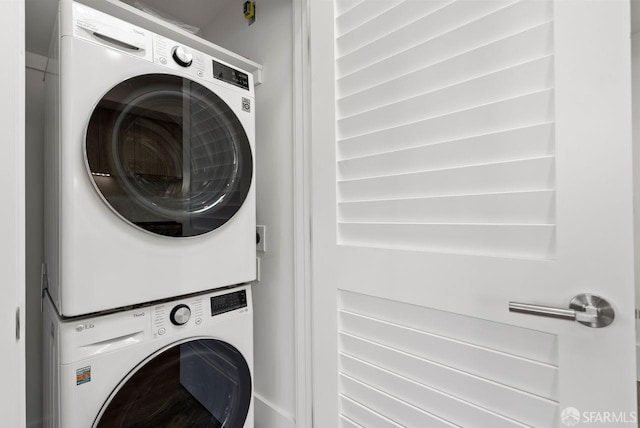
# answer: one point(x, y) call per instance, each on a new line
point(177, 316)
point(171, 317)
point(228, 302)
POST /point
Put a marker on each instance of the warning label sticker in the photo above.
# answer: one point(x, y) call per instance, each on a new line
point(83, 375)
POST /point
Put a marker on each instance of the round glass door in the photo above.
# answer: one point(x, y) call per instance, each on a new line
point(168, 155)
point(202, 383)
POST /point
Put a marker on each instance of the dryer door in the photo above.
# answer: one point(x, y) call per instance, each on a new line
point(202, 383)
point(168, 155)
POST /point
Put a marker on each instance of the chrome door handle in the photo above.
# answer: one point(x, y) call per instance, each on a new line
point(587, 309)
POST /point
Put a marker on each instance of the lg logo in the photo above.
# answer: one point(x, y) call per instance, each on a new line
point(83, 327)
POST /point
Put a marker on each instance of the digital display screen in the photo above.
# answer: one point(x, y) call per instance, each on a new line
point(228, 302)
point(230, 75)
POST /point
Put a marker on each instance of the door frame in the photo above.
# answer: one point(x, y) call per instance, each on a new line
point(12, 170)
point(302, 214)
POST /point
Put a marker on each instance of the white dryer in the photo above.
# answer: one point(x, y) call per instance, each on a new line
point(186, 363)
point(149, 166)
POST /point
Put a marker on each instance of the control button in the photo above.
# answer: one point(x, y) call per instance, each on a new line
point(163, 60)
point(182, 57)
point(198, 321)
point(200, 73)
point(180, 314)
point(162, 331)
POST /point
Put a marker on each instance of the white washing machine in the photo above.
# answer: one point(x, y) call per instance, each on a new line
point(186, 363)
point(149, 167)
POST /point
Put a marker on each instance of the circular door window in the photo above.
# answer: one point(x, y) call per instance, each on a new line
point(168, 155)
point(202, 383)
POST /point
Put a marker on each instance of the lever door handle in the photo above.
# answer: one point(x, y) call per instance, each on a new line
point(587, 309)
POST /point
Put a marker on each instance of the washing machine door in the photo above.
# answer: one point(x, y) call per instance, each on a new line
point(168, 155)
point(203, 383)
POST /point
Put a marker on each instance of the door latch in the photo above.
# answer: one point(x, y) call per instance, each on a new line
point(587, 309)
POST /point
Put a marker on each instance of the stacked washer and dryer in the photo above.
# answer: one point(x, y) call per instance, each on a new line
point(150, 230)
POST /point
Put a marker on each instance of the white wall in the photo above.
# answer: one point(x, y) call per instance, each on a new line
point(269, 41)
point(34, 139)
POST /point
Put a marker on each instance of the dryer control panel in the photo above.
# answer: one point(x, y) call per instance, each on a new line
point(175, 56)
point(230, 75)
point(98, 27)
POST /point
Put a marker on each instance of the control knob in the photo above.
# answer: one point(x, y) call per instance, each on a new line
point(180, 314)
point(181, 56)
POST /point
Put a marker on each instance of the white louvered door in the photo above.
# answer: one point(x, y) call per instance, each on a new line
point(468, 153)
